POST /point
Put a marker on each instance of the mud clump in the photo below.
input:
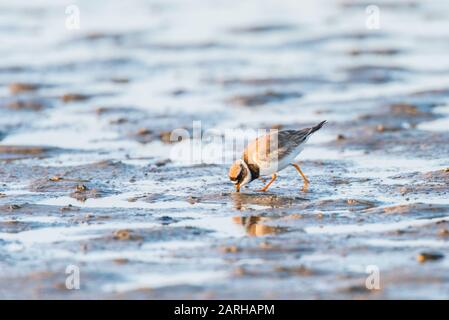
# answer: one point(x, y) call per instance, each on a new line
point(11, 152)
point(440, 92)
point(441, 176)
point(178, 92)
point(82, 193)
point(299, 271)
point(377, 52)
point(74, 97)
point(28, 105)
point(343, 204)
point(144, 135)
point(413, 209)
point(13, 226)
point(165, 137)
point(374, 73)
point(55, 184)
point(436, 182)
point(118, 121)
point(405, 108)
point(116, 110)
point(23, 149)
point(355, 202)
point(144, 131)
point(126, 235)
point(255, 227)
point(120, 261)
point(241, 200)
point(56, 178)
point(120, 80)
point(265, 28)
point(12, 207)
point(81, 188)
point(368, 199)
point(274, 81)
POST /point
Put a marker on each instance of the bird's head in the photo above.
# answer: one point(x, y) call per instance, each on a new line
point(239, 174)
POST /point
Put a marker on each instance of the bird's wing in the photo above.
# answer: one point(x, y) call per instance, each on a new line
point(275, 146)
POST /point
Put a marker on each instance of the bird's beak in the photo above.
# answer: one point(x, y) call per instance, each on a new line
point(237, 187)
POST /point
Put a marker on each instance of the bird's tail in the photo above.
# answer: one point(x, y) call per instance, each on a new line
point(317, 127)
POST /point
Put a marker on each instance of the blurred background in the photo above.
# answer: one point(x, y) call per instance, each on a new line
point(179, 61)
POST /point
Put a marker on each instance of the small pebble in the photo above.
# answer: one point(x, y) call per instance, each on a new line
point(16, 88)
point(429, 256)
point(122, 235)
point(144, 131)
point(81, 187)
point(120, 261)
point(69, 97)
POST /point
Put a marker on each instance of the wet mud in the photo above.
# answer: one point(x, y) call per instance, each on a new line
point(88, 176)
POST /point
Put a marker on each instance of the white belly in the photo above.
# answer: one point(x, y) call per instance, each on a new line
point(268, 170)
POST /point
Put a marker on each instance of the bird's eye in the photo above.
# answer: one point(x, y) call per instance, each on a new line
point(240, 176)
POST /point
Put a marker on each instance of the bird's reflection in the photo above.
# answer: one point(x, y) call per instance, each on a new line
point(254, 225)
point(244, 201)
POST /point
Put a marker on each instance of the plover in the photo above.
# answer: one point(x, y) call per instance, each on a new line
point(269, 154)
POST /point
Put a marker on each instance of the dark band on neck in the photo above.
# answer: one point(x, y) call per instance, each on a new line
point(253, 168)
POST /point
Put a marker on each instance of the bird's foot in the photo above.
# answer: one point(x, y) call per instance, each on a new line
point(305, 187)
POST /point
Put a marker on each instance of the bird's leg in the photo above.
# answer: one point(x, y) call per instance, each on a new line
point(306, 181)
point(273, 177)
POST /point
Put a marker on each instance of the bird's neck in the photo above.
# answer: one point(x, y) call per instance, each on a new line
point(254, 169)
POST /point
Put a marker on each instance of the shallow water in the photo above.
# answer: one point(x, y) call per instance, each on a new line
point(87, 177)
